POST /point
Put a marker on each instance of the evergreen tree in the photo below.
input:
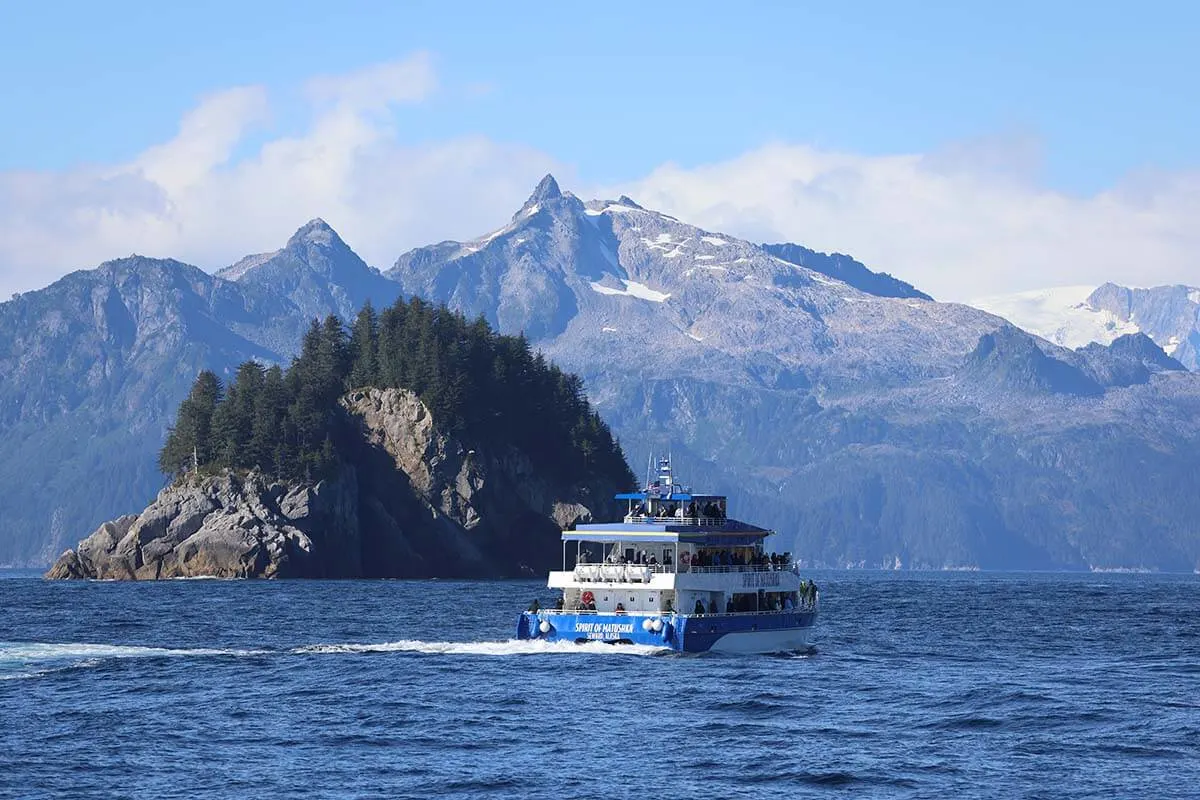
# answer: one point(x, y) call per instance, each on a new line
point(364, 348)
point(188, 441)
point(268, 444)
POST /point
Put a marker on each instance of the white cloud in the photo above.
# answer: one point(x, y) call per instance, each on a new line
point(377, 87)
point(196, 199)
point(958, 224)
point(206, 139)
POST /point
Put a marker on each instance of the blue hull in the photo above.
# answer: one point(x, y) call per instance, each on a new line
point(747, 633)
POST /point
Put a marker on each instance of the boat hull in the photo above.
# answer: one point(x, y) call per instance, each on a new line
point(770, 632)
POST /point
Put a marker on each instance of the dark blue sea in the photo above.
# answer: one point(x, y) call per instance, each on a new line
point(921, 685)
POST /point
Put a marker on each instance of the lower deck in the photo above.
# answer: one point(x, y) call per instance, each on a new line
point(751, 632)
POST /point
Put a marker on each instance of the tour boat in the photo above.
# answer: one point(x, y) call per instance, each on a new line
point(676, 573)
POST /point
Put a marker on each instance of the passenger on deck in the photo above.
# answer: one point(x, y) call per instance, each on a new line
point(712, 606)
point(534, 607)
point(558, 603)
point(699, 610)
point(729, 606)
point(788, 605)
point(620, 608)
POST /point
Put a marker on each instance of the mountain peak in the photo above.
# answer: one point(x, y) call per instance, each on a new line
point(315, 231)
point(547, 189)
point(545, 192)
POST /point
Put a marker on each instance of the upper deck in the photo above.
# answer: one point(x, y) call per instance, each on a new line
point(726, 533)
point(670, 512)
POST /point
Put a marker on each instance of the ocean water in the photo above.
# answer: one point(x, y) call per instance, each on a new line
point(923, 685)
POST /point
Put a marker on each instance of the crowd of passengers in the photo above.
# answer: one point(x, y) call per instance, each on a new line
point(704, 558)
point(679, 510)
point(741, 558)
point(805, 598)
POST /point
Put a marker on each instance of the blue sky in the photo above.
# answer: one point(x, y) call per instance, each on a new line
point(1072, 100)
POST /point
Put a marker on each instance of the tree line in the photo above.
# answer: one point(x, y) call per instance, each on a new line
point(482, 387)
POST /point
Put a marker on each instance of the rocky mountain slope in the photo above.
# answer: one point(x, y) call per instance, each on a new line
point(845, 269)
point(415, 502)
point(93, 367)
point(316, 274)
point(872, 431)
point(1075, 316)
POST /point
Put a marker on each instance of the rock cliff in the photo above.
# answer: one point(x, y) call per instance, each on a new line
point(413, 502)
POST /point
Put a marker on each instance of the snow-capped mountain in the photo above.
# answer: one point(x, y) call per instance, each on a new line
point(868, 429)
point(611, 276)
point(1073, 316)
point(869, 425)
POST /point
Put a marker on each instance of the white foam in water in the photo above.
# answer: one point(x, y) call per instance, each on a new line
point(37, 653)
point(512, 647)
point(33, 659)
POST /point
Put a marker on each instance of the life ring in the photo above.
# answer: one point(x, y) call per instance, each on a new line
point(588, 597)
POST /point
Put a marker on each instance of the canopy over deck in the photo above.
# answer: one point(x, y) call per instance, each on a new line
point(731, 533)
point(684, 496)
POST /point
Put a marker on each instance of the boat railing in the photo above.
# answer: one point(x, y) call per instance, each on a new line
point(740, 568)
point(703, 522)
point(618, 573)
point(642, 573)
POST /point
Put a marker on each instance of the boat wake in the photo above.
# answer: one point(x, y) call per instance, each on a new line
point(34, 659)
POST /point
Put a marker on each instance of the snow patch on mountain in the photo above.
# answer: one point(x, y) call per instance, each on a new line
point(632, 289)
point(1061, 314)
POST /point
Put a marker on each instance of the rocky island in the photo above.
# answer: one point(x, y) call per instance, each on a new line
point(459, 453)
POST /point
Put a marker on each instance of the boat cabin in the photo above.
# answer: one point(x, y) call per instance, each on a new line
point(661, 568)
point(663, 500)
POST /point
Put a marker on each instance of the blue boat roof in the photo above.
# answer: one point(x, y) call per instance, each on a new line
point(673, 496)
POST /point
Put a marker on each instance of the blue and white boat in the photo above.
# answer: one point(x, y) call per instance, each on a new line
point(678, 573)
